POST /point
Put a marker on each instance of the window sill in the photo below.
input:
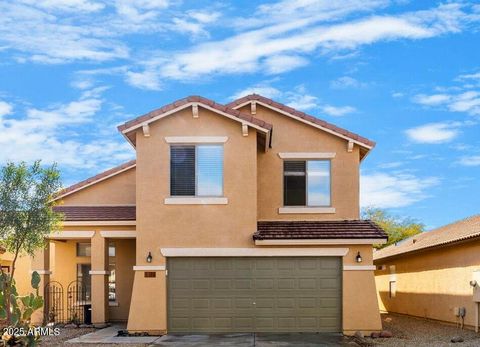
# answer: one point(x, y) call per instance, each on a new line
point(196, 201)
point(113, 303)
point(306, 210)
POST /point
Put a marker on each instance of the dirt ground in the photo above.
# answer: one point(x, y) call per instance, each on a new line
point(419, 332)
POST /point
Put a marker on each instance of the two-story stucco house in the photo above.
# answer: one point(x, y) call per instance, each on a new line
point(233, 218)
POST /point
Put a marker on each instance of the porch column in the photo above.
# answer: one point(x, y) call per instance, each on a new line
point(41, 264)
point(99, 274)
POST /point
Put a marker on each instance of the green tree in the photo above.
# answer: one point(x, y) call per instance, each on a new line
point(26, 214)
point(397, 228)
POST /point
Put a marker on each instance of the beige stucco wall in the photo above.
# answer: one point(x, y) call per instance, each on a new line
point(116, 190)
point(430, 284)
point(232, 225)
point(22, 275)
point(290, 135)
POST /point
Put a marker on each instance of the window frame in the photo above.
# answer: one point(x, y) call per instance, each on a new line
point(77, 248)
point(196, 145)
point(306, 183)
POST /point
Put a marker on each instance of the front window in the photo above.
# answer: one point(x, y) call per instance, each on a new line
point(306, 183)
point(112, 293)
point(196, 170)
point(84, 249)
point(83, 276)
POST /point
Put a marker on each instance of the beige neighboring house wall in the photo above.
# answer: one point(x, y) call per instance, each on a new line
point(22, 269)
point(434, 281)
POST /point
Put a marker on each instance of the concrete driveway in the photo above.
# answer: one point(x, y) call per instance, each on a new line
point(254, 340)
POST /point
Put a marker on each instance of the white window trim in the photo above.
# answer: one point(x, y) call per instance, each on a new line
point(306, 210)
point(359, 267)
point(307, 155)
point(196, 200)
point(119, 234)
point(149, 268)
point(254, 252)
point(99, 272)
point(196, 139)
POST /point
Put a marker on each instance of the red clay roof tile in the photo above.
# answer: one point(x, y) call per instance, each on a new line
point(97, 213)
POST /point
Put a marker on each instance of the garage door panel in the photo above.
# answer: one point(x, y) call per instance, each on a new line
point(274, 294)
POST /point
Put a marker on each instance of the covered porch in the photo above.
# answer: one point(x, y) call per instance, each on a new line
point(87, 270)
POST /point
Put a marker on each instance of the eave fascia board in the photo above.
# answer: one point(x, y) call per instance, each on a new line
point(307, 242)
point(98, 223)
point(305, 121)
point(191, 104)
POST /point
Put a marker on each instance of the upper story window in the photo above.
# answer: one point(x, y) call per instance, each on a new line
point(196, 170)
point(84, 249)
point(306, 183)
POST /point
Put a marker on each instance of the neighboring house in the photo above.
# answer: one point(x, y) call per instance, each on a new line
point(233, 218)
point(22, 268)
point(428, 275)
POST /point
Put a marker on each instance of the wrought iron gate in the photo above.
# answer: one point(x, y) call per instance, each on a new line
point(54, 303)
point(77, 302)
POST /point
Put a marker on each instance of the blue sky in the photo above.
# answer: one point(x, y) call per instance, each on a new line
point(405, 74)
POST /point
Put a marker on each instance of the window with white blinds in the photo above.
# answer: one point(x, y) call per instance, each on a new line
point(196, 170)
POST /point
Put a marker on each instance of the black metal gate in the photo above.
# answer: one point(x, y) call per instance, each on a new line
point(54, 303)
point(77, 304)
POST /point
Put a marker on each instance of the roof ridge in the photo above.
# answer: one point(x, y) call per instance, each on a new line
point(193, 98)
point(94, 179)
point(303, 115)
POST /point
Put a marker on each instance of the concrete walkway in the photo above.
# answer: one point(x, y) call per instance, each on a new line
point(109, 336)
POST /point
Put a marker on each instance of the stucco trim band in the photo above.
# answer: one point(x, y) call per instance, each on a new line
point(71, 234)
point(306, 242)
point(305, 210)
point(359, 267)
point(196, 139)
point(254, 252)
point(99, 272)
point(196, 201)
point(41, 272)
point(119, 234)
point(149, 268)
point(99, 223)
point(307, 155)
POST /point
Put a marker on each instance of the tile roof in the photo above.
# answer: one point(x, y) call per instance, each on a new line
point(465, 229)
point(97, 213)
point(94, 179)
point(344, 229)
point(201, 100)
point(307, 117)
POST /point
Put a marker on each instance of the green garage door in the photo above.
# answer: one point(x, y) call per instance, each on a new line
point(258, 294)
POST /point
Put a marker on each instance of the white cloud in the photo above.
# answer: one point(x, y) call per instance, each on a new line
point(473, 160)
point(345, 82)
point(298, 36)
point(337, 111)
point(5, 108)
point(433, 133)
point(386, 190)
point(51, 134)
point(67, 5)
point(261, 89)
point(146, 79)
point(431, 100)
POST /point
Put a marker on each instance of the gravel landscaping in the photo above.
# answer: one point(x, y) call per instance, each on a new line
point(410, 331)
point(65, 335)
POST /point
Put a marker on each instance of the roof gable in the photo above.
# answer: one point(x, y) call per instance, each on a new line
point(128, 129)
point(96, 179)
point(303, 117)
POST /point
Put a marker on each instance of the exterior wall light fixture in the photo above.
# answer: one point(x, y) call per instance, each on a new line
point(149, 257)
point(358, 258)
